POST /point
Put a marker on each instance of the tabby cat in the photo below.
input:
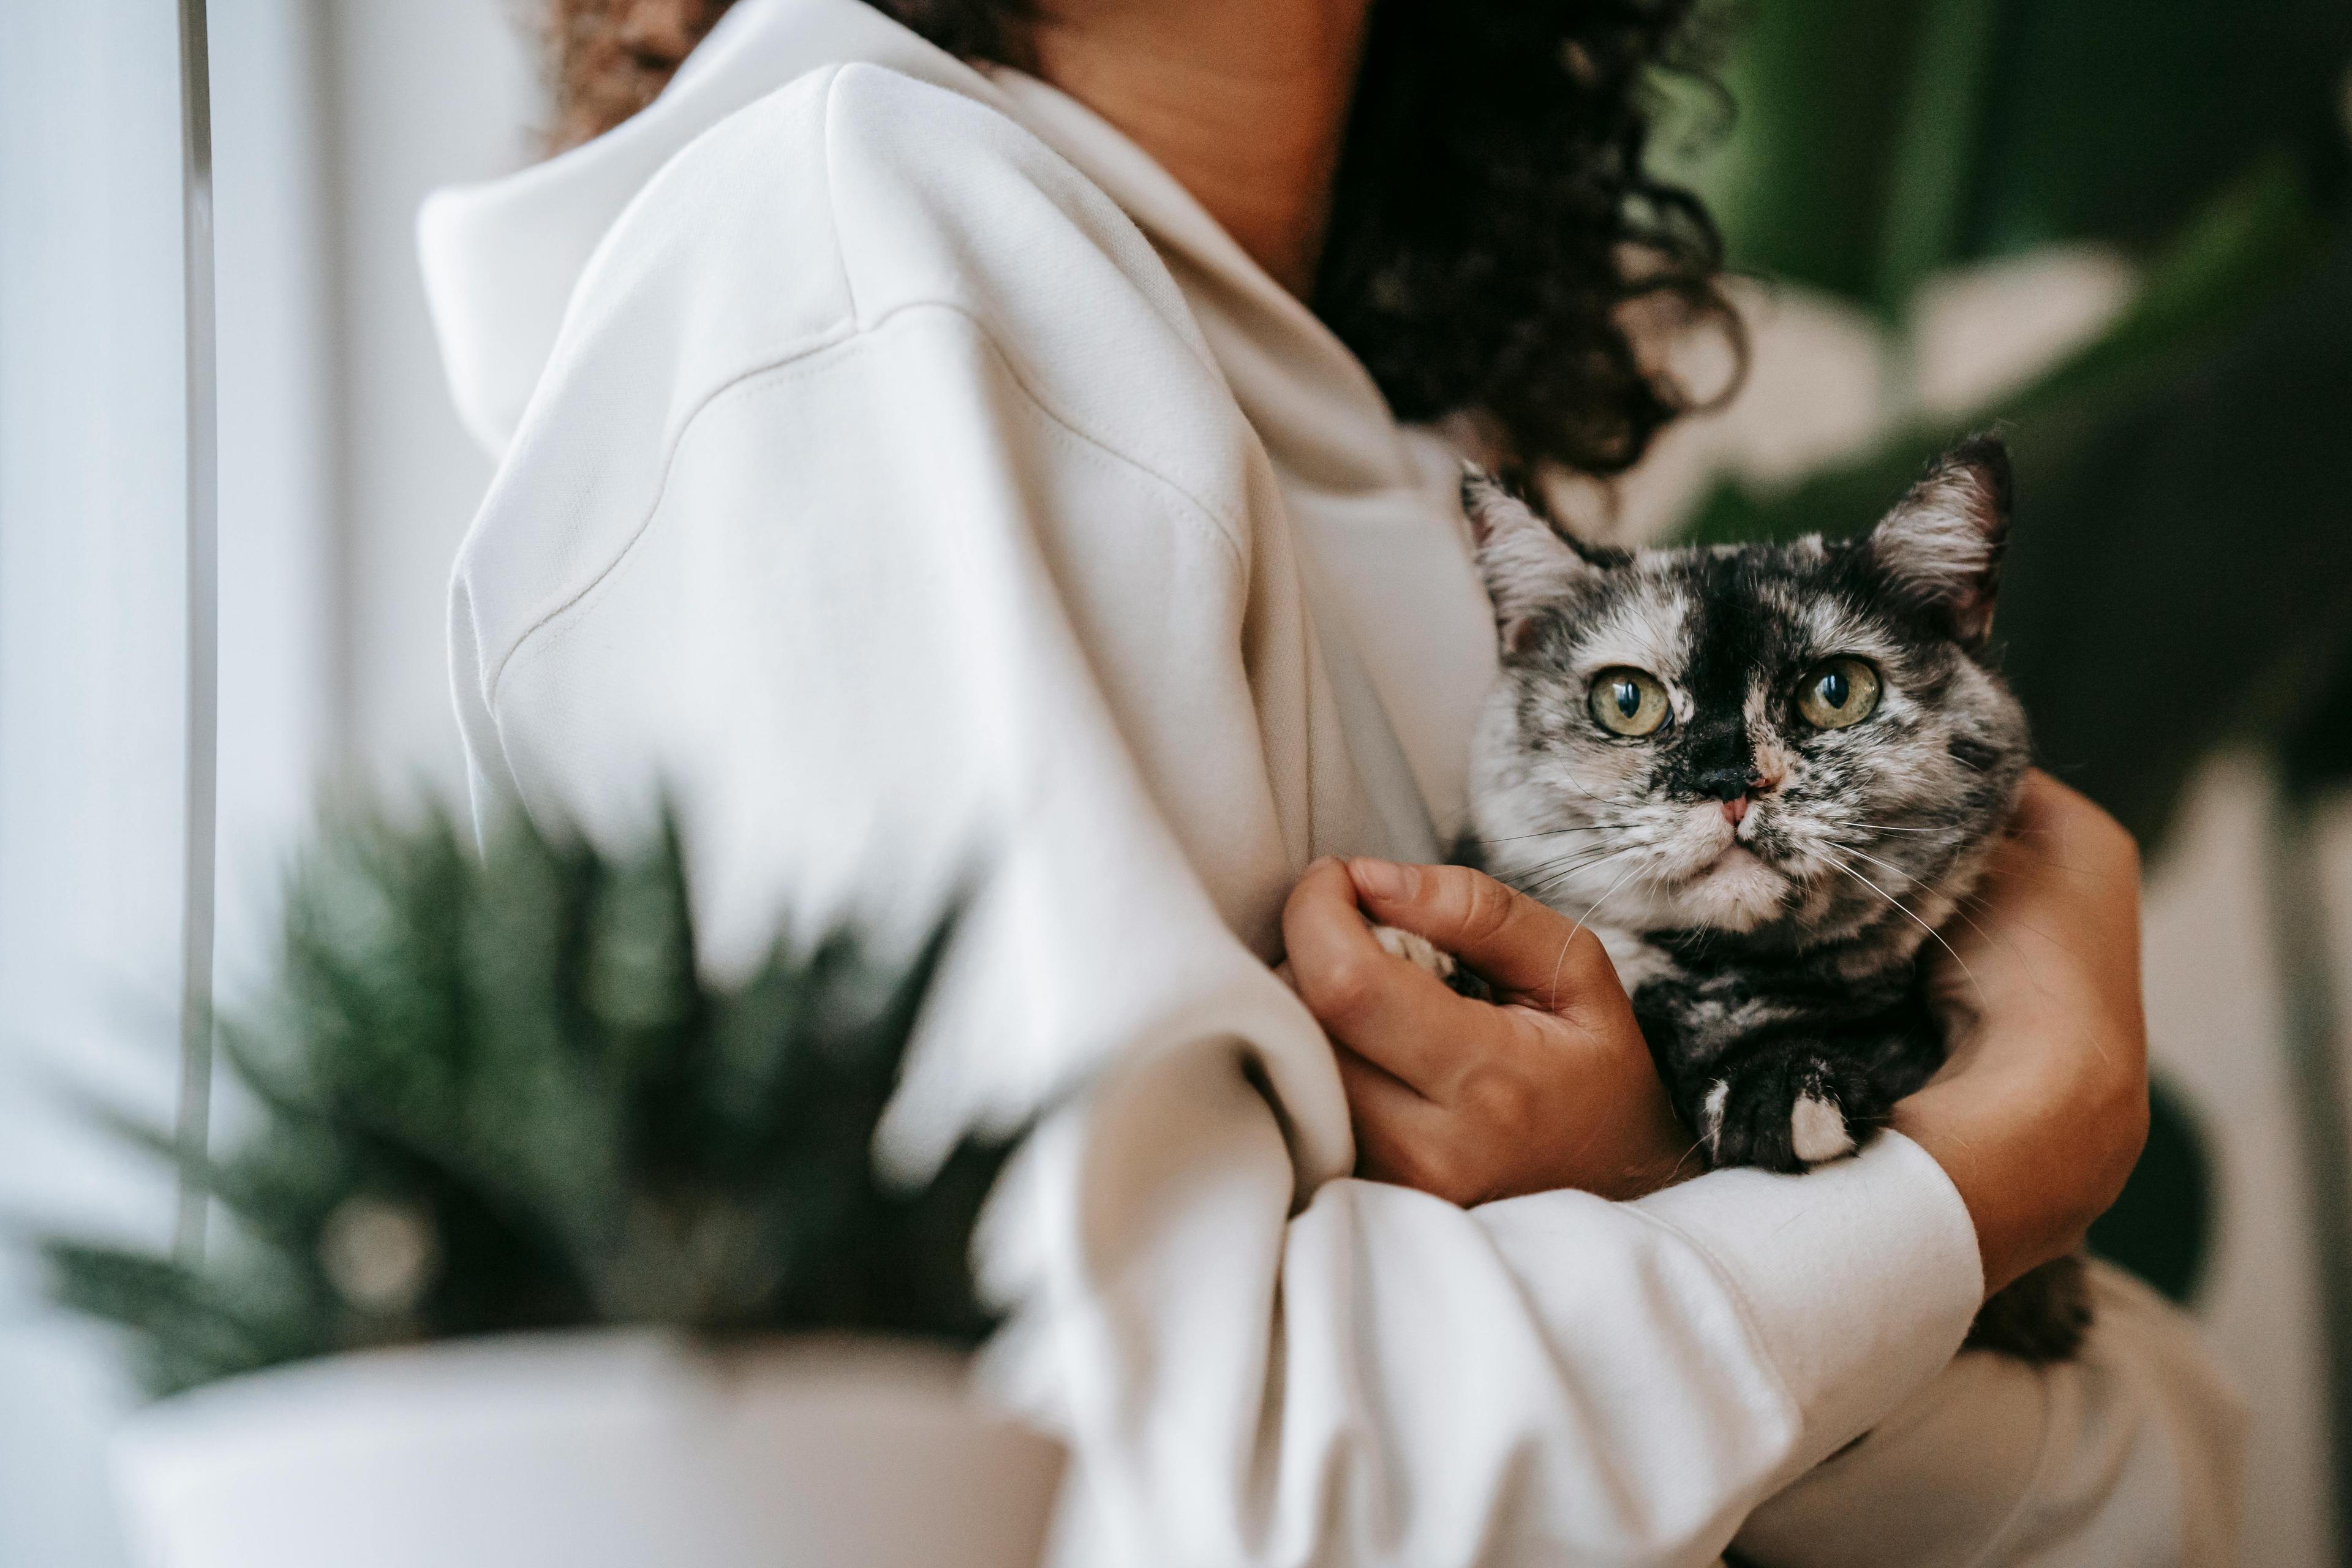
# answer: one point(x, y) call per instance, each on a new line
point(1766, 774)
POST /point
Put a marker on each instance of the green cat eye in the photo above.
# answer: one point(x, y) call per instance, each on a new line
point(1837, 692)
point(1629, 703)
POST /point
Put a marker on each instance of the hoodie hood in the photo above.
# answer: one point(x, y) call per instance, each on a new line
point(502, 260)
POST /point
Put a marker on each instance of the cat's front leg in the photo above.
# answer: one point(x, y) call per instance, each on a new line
point(1785, 1105)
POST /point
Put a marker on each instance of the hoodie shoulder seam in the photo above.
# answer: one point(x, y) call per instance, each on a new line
point(1202, 518)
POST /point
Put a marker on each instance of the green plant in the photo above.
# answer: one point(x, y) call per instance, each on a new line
point(494, 1093)
point(2176, 583)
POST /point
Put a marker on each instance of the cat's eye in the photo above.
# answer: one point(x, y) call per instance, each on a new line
point(1629, 703)
point(1837, 692)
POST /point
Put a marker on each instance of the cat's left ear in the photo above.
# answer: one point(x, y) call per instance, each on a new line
point(1941, 546)
point(1528, 563)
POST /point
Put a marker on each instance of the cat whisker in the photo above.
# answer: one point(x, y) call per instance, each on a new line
point(1683, 1159)
point(1580, 788)
point(1957, 904)
point(1850, 849)
point(1604, 899)
point(1552, 991)
point(2006, 939)
point(1579, 855)
point(1544, 881)
point(1915, 921)
point(1557, 832)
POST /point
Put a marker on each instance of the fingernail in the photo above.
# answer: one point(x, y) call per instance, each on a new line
point(1384, 878)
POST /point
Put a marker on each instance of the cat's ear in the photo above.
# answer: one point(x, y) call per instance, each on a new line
point(1941, 546)
point(1526, 562)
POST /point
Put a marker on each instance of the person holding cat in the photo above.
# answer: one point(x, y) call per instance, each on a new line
point(954, 439)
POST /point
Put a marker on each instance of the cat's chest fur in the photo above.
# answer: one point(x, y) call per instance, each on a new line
point(1703, 1000)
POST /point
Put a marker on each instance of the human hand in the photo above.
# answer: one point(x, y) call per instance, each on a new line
point(1550, 1087)
point(2041, 1112)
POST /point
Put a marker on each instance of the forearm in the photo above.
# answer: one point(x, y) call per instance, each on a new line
point(2040, 1114)
point(1386, 1377)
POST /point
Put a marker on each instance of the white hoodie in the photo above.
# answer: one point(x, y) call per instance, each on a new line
point(905, 474)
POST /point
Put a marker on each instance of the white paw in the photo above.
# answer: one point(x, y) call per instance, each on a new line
point(1817, 1131)
point(1710, 1115)
point(1416, 950)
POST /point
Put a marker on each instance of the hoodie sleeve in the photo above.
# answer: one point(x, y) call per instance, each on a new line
point(893, 522)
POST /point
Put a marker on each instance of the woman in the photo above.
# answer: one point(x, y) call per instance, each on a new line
point(920, 459)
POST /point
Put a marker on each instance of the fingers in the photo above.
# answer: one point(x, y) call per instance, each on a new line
point(1464, 1100)
point(1398, 1015)
point(1400, 1134)
point(1522, 947)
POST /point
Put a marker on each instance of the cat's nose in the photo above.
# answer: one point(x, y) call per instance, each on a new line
point(1735, 788)
point(1728, 784)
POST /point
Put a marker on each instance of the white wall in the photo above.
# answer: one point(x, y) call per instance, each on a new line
point(91, 680)
point(282, 723)
point(424, 93)
point(344, 483)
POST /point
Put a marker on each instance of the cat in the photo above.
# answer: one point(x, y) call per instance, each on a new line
point(1764, 775)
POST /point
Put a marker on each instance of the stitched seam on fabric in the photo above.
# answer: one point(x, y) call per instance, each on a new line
point(1203, 515)
point(837, 332)
point(842, 335)
point(814, 359)
point(1011, 366)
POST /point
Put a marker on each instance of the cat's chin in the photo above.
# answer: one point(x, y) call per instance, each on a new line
point(1735, 891)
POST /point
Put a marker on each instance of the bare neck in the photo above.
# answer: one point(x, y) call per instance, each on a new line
point(1244, 101)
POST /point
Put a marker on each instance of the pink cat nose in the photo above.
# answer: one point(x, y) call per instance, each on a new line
point(1735, 810)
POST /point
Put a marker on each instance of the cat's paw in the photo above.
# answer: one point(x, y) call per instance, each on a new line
point(1416, 950)
point(1785, 1109)
point(1420, 950)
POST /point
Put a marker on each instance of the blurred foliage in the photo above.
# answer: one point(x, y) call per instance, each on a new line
point(2179, 579)
point(494, 1093)
point(2160, 1228)
point(1881, 141)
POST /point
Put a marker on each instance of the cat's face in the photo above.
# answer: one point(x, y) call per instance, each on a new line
point(1796, 743)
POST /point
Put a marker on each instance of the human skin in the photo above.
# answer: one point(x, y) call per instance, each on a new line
point(2037, 1118)
point(1244, 101)
point(1549, 1086)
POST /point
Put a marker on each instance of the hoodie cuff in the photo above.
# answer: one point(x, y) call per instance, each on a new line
point(1861, 1278)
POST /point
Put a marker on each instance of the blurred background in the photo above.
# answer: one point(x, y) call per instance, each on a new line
point(2118, 228)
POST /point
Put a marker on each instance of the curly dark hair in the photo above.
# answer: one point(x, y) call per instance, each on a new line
point(1493, 224)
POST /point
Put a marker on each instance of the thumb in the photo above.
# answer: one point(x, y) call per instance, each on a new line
point(1519, 946)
